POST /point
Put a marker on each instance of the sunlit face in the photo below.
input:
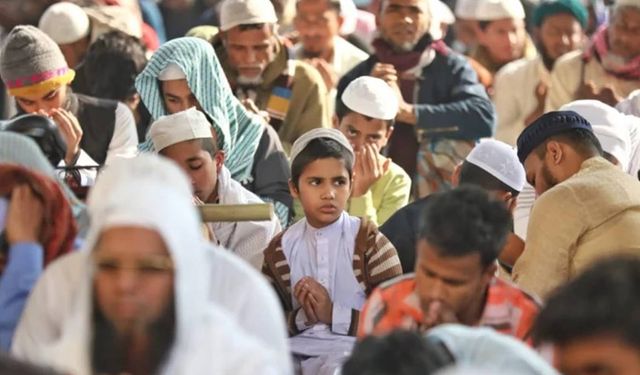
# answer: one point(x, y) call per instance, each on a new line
point(317, 23)
point(177, 96)
point(623, 33)
point(323, 189)
point(560, 33)
point(403, 22)
point(43, 102)
point(504, 39)
point(133, 282)
point(361, 130)
point(598, 355)
point(465, 31)
point(250, 51)
point(198, 164)
point(459, 283)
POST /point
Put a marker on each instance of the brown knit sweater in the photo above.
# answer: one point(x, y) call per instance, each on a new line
point(375, 260)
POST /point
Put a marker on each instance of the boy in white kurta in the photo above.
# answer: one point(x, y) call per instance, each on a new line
point(324, 266)
point(186, 138)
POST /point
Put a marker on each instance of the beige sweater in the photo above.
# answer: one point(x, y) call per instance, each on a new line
point(567, 77)
point(593, 214)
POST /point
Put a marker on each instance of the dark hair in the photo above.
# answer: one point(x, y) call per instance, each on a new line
point(112, 64)
point(208, 145)
point(343, 111)
point(320, 148)
point(583, 141)
point(333, 5)
point(465, 220)
point(473, 175)
point(605, 299)
point(398, 353)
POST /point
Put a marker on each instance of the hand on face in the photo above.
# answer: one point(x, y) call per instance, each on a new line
point(70, 129)
point(24, 216)
point(315, 301)
point(438, 313)
point(606, 95)
point(327, 72)
point(369, 167)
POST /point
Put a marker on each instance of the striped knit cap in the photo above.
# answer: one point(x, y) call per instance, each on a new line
point(31, 63)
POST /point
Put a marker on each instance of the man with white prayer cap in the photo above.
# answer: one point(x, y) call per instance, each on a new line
point(380, 186)
point(147, 273)
point(491, 165)
point(609, 69)
point(69, 26)
point(502, 36)
point(186, 138)
point(587, 209)
point(465, 25)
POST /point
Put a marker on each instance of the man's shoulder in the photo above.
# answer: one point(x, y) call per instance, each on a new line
point(400, 285)
point(516, 68)
point(504, 292)
point(568, 61)
point(305, 72)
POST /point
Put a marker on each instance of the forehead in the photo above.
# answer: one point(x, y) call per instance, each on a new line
point(131, 242)
point(177, 87)
point(434, 260)
point(422, 4)
point(249, 36)
point(312, 6)
point(628, 14)
point(325, 167)
point(561, 20)
point(184, 150)
point(506, 24)
point(363, 124)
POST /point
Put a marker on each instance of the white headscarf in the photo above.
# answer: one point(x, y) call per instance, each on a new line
point(153, 193)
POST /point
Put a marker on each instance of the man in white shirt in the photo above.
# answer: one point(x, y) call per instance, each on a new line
point(521, 86)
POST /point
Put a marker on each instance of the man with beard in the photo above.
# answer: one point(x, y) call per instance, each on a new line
point(439, 94)
point(587, 209)
point(263, 73)
point(609, 70)
point(521, 87)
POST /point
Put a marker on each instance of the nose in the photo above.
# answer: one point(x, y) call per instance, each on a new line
point(329, 193)
point(513, 38)
point(437, 291)
point(126, 280)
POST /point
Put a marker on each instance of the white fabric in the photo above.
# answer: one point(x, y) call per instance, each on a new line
point(515, 86)
point(492, 10)
point(65, 23)
point(466, 9)
point(484, 349)
point(326, 255)
point(371, 97)
point(246, 12)
point(303, 141)
point(521, 213)
point(55, 327)
point(603, 115)
point(179, 127)
point(614, 141)
point(442, 13)
point(501, 161)
point(246, 239)
point(631, 105)
point(172, 72)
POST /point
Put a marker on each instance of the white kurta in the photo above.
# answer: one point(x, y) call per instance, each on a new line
point(326, 255)
point(515, 99)
point(246, 239)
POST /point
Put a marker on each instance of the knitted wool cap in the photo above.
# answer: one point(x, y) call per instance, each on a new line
point(31, 63)
point(546, 126)
point(548, 8)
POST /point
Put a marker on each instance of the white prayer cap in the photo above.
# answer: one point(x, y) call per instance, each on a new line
point(65, 23)
point(172, 72)
point(466, 9)
point(493, 10)
point(246, 12)
point(631, 105)
point(603, 115)
point(442, 13)
point(179, 127)
point(372, 97)
point(501, 161)
point(302, 142)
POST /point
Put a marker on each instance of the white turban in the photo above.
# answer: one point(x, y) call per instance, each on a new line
point(501, 161)
point(65, 23)
point(493, 10)
point(371, 97)
point(179, 127)
point(301, 143)
point(246, 12)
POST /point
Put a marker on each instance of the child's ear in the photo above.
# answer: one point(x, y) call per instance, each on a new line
point(293, 190)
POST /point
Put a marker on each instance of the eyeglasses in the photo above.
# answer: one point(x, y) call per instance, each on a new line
point(145, 267)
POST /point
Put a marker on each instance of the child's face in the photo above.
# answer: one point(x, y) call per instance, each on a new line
point(323, 189)
point(359, 130)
